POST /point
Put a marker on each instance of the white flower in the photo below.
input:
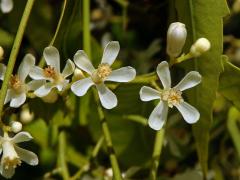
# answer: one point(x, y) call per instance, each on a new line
point(176, 37)
point(6, 5)
point(13, 155)
point(52, 72)
point(101, 74)
point(170, 97)
point(18, 89)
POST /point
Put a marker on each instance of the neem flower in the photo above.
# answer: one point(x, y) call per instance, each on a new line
point(13, 155)
point(52, 72)
point(170, 97)
point(18, 89)
point(6, 5)
point(101, 74)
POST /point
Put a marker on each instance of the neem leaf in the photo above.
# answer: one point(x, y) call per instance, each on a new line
point(203, 18)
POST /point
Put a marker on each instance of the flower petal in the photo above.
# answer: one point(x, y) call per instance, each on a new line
point(189, 113)
point(7, 173)
point(44, 90)
point(107, 97)
point(18, 100)
point(2, 71)
point(37, 73)
point(148, 94)
point(26, 66)
point(21, 137)
point(124, 74)
point(27, 156)
point(35, 84)
point(82, 61)
point(61, 86)
point(9, 96)
point(158, 116)
point(110, 52)
point(81, 87)
point(192, 79)
point(68, 69)
point(164, 74)
point(6, 6)
point(52, 57)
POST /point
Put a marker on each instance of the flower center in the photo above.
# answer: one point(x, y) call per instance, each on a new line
point(50, 72)
point(101, 73)
point(8, 163)
point(16, 84)
point(172, 96)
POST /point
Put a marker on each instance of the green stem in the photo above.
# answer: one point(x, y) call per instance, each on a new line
point(14, 53)
point(42, 62)
point(86, 28)
point(107, 136)
point(156, 153)
point(61, 155)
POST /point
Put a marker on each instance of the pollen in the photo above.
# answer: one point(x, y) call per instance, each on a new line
point(8, 163)
point(172, 96)
point(15, 82)
point(49, 72)
point(103, 71)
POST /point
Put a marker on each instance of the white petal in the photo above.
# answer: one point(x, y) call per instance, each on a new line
point(62, 85)
point(7, 173)
point(124, 74)
point(9, 96)
point(35, 84)
point(164, 74)
point(21, 137)
point(37, 73)
point(107, 97)
point(68, 69)
point(192, 79)
point(6, 6)
point(44, 90)
point(18, 100)
point(110, 52)
point(52, 57)
point(189, 113)
point(81, 87)
point(82, 61)
point(26, 66)
point(148, 94)
point(2, 71)
point(27, 156)
point(158, 116)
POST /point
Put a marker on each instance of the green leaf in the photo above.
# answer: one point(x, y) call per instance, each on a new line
point(203, 18)
point(232, 124)
point(229, 85)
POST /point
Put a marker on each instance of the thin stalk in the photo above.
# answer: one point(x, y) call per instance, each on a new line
point(61, 156)
point(14, 53)
point(42, 62)
point(86, 28)
point(107, 136)
point(156, 153)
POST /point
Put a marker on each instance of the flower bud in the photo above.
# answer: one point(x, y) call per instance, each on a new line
point(16, 126)
point(199, 47)
point(176, 37)
point(236, 6)
point(1, 53)
point(26, 116)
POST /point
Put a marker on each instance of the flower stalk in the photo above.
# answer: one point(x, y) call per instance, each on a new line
point(14, 53)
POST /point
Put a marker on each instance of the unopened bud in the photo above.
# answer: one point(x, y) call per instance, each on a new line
point(1, 53)
point(236, 6)
point(26, 116)
point(176, 37)
point(16, 126)
point(199, 47)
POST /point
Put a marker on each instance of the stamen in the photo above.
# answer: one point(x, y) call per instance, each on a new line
point(103, 71)
point(49, 72)
point(172, 96)
point(15, 83)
